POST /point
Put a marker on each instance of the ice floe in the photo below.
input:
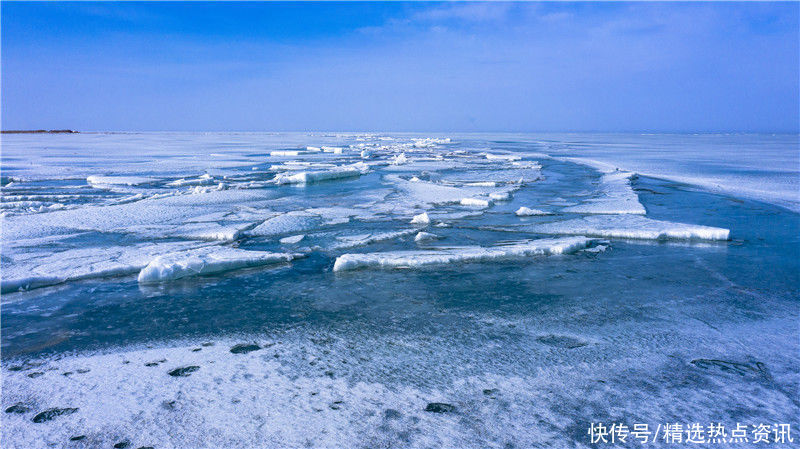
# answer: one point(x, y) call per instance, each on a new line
point(287, 223)
point(615, 196)
point(42, 269)
point(200, 180)
point(475, 202)
point(527, 212)
point(291, 240)
point(631, 227)
point(423, 236)
point(98, 180)
point(400, 159)
point(422, 218)
point(463, 254)
point(307, 177)
point(352, 241)
point(207, 260)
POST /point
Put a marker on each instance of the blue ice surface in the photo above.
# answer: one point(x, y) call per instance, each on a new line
point(645, 331)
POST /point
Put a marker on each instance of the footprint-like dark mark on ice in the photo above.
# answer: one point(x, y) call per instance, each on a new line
point(52, 413)
point(391, 413)
point(77, 438)
point(561, 341)
point(122, 444)
point(744, 369)
point(440, 407)
point(25, 366)
point(244, 348)
point(491, 392)
point(155, 363)
point(184, 371)
point(35, 374)
point(18, 408)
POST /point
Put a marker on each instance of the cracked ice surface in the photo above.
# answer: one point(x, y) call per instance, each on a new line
point(485, 282)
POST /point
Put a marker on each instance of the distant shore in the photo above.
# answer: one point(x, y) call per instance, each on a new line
point(39, 131)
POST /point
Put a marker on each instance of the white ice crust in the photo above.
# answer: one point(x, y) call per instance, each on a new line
point(307, 177)
point(423, 236)
point(631, 227)
point(352, 241)
point(527, 212)
point(616, 196)
point(100, 180)
point(291, 240)
point(463, 254)
point(204, 261)
point(422, 218)
point(290, 222)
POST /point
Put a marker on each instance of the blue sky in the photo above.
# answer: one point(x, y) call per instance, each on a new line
point(651, 67)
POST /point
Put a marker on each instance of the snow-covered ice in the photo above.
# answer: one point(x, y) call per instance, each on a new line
point(524, 211)
point(286, 223)
point(422, 218)
point(475, 202)
point(291, 240)
point(464, 254)
point(631, 227)
point(424, 236)
point(307, 177)
point(616, 196)
point(207, 260)
point(528, 326)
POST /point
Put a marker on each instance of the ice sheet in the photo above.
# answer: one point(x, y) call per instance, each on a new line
point(765, 167)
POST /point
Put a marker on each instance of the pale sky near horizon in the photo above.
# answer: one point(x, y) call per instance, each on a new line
point(609, 67)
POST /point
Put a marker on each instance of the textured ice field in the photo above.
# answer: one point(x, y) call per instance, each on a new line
point(764, 167)
point(362, 290)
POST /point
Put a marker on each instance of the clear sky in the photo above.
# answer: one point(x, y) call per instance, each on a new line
point(401, 66)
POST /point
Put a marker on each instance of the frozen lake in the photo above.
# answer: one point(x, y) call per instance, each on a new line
point(327, 290)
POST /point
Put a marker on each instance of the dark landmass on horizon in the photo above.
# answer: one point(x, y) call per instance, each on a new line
point(39, 131)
